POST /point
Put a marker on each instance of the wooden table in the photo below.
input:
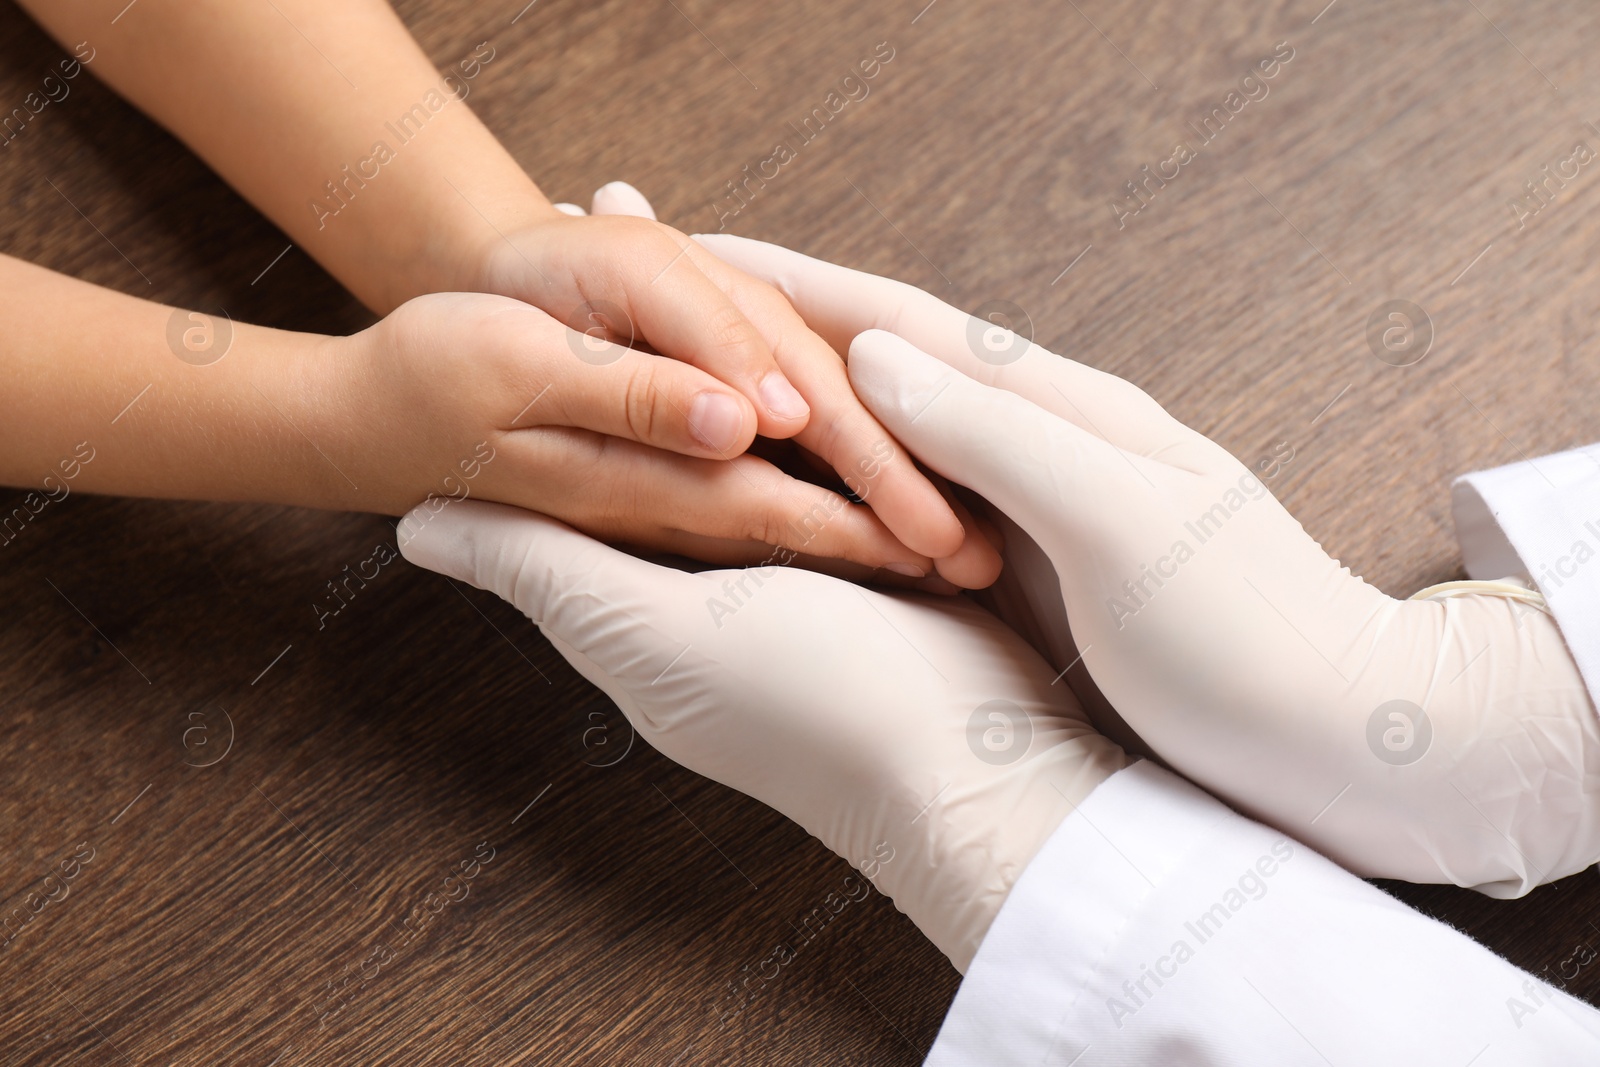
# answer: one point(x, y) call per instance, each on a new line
point(237, 896)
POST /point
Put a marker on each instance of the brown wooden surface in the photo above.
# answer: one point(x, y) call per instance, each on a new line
point(374, 756)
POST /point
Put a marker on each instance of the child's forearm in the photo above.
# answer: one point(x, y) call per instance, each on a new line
point(330, 119)
point(98, 399)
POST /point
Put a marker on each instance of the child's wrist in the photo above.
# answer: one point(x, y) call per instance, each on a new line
point(452, 244)
point(352, 455)
point(299, 391)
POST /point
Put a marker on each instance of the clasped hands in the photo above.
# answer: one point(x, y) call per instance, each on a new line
point(1242, 654)
point(630, 411)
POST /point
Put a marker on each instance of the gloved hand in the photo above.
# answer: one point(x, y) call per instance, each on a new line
point(916, 736)
point(1432, 740)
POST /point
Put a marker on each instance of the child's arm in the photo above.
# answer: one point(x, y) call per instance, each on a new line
point(451, 395)
point(284, 98)
point(90, 376)
point(329, 117)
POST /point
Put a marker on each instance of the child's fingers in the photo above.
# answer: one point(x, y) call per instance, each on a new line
point(877, 470)
point(549, 374)
point(649, 399)
point(841, 429)
point(726, 552)
point(977, 563)
point(621, 491)
point(840, 303)
point(677, 309)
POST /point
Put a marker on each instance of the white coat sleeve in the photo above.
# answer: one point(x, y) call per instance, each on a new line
point(1540, 519)
point(1157, 926)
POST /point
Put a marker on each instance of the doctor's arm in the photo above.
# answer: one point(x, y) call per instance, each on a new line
point(1103, 910)
point(1448, 738)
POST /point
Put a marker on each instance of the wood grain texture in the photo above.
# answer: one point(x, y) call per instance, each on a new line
point(372, 757)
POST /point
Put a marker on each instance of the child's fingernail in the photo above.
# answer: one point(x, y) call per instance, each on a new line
point(906, 569)
point(717, 421)
point(781, 398)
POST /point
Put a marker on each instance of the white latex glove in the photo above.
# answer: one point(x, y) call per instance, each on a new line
point(916, 736)
point(613, 198)
point(1249, 659)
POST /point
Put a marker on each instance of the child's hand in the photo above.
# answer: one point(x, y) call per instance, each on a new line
point(459, 214)
point(635, 281)
point(466, 394)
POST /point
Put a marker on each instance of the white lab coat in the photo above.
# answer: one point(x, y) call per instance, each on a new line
point(1157, 927)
